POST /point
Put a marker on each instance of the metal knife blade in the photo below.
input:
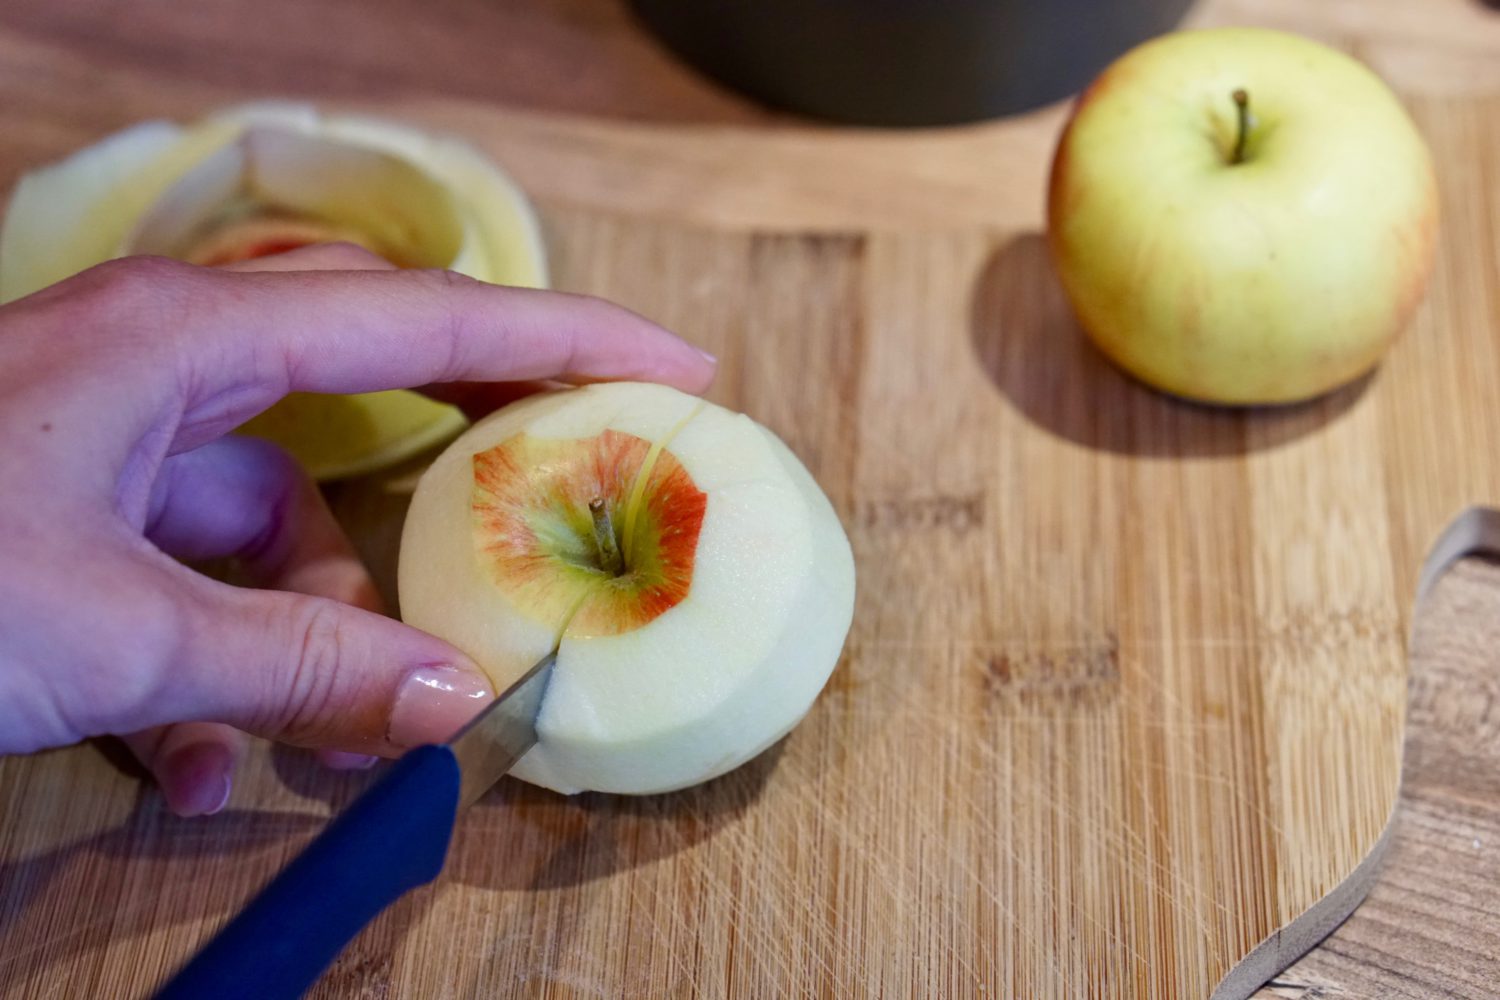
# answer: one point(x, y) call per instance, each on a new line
point(499, 736)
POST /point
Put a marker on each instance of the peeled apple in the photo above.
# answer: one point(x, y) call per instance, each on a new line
point(692, 576)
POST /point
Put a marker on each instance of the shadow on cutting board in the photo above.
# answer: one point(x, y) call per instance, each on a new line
point(520, 837)
point(85, 895)
point(1033, 350)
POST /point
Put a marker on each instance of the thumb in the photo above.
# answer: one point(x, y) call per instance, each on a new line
point(316, 672)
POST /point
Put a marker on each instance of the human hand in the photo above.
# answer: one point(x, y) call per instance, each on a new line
point(118, 388)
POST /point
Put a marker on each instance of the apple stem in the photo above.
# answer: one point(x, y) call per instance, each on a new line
point(1242, 106)
point(610, 559)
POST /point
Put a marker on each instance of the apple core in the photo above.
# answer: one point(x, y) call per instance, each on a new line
point(594, 537)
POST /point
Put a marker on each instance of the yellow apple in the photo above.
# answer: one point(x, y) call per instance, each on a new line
point(1242, 216)
point(693, 578)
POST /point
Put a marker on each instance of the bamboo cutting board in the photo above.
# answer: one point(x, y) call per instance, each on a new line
point(1121, 711)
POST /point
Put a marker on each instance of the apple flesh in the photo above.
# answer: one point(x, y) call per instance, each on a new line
point(694, 579)
point(1263, 259)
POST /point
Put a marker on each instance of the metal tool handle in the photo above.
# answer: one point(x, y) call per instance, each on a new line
point(393, 839)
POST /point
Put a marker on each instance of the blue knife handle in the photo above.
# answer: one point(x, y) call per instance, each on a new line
point(392, 839)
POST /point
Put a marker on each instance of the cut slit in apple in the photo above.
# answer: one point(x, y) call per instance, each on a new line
point(707, 639)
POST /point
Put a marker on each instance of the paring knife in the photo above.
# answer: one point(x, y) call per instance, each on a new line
point(392, 839)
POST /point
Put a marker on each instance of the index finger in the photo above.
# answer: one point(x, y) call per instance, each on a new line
point(245, 339)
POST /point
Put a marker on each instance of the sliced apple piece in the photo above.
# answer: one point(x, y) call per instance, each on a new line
point(691, 574)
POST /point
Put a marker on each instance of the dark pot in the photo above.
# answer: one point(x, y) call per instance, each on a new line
point(906, 62)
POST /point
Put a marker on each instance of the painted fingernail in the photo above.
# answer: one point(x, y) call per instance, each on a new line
point(342, 760)
point(708, 357)
point(434, 702)
point(196, 779)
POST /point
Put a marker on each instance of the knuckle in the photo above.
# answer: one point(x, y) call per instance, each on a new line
point(138, 302)
point(452, 280)
point(118, 300)
point(134, 282)
point(452, 288)
point(310, 686)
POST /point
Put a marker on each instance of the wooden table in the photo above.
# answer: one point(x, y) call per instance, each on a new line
point(71, 71)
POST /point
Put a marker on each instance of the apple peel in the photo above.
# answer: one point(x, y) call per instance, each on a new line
point(270, 176)
point(537, 525)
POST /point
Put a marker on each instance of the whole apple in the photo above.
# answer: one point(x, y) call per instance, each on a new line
point(1241, 215)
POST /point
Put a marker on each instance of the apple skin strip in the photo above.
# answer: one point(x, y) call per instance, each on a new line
point(642, 477)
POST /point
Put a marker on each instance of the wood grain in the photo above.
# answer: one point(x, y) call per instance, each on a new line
point(1125, 692)
point(1431, 926)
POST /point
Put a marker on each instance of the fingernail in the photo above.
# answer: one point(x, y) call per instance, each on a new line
point(434, 702)
point(222, 796)
point(708, 357)
point(342, 760)
point(196, 779)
